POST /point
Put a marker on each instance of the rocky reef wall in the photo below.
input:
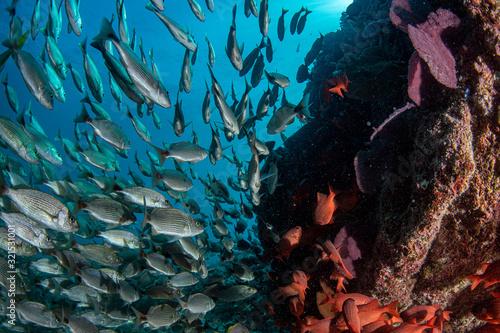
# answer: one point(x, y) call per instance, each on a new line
point(430, 212)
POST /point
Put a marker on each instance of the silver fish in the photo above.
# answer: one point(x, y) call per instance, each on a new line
point(91, 73)
point(172, 179)
point(35, 19)
point(184, 151)
point(162, 315)
point(18, 141)
point(77, 79)
point(144, 80)
point(264, 18)
point(42, 207)
point(211, 52)
point(257, 70)
point(236, 293)
point(186, 74)
point(106, 210)
point(215, 150)
point(121, 238)
point(105, 129)
point(251, 8)
point(139, 127)
point(38, 313)
point(11, 95)
point(28, 229)
point(232, 48)
point(137, 195)
point(34, 77)
point(198, 303)
point(175, 29)
point(172, 222)
point(73, 13)
point(196, 8)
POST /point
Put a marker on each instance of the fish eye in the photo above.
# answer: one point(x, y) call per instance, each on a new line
point(47, 239)
point(72, 219)
point(51, 98)
point(58, 155)
point(35, 152)
point(58, 320)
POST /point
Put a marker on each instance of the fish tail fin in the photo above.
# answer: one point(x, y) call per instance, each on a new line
point(392, 308)
point(80, 204)
point(83, 45)
point(86, 99)
point(140, 317)
point(4, 189)
point(11, 43)
point(127, 112)
point(106, 31)
point(162, 153)
point(83, 116)
point(476, 279)
point(58, 137)
point(327, 299)
point(248, 87)
point(156, 176)
point(146, 215)
point(151, 7)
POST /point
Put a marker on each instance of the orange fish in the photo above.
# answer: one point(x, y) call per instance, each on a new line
point(296, 306)
point(341, 279)
point(319, 326)
point(288, 242)
point(490, 276)
point(340, 298)
point(339, 81)
point(371, 312)
point(412, 327)
point(325, 207)
point(424, 313)
point(377, 327)
point(300, 278)
point(334, 256)
point(351, 315)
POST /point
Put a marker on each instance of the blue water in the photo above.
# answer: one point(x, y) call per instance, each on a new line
point(168, 55)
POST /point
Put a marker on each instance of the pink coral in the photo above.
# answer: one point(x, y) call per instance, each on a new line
point(427, 38)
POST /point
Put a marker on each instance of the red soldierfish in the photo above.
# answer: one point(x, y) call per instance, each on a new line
point(288, 242)
point(490, 276)
point(325, 207)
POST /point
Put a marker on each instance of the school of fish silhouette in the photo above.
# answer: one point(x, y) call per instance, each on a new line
point(359, 228)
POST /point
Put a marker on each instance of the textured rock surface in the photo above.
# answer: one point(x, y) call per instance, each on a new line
point(436, 216)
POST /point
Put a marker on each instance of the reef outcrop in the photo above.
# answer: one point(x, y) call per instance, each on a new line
point(430, 211)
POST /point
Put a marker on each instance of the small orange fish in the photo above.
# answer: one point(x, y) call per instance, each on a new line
point(325, 207)
point(341, 279)
point(424, 313)
point(377, 327)
point(300, 278)
point(340, 298)
point(296, 306)
point(339, 81)
point(319, 326)
point(411, 327)
point(351, 315)
point(490, 276)
point(288, 242)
